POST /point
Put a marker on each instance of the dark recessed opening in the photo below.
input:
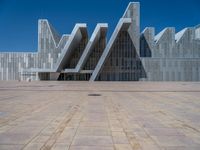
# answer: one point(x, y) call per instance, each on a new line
point(94, 94)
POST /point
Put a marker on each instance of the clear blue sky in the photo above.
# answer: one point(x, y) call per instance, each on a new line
point(18, 18)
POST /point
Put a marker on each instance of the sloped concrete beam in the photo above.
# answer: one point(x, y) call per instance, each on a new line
point(123, 24)
point(100, 30)
point(133, 12)
point(72, 42)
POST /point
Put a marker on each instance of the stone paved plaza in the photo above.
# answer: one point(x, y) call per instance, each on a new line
point(99, 115)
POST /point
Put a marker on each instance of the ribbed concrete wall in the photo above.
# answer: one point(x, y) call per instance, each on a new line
point(172, 69)
point(50, 44)
point(174, 57)
point(12, 65)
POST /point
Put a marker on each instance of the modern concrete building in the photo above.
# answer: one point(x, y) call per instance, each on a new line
point(127, 56)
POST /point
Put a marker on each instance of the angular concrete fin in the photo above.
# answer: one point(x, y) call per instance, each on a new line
point(197, 32)
point(133, 12)
point(55, 34)
point(197, 26)
point(123, 24)
point(100, 30)
point(188, 33)
point(180, 34)
point(74, 39)
point(149, 33)
point(46, 31)
point(147, 42)
point(159, 35)
point(63, 40)
point(166, 35)
point(165, 43)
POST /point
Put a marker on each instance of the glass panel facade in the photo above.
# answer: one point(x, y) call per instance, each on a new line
point(123, 63)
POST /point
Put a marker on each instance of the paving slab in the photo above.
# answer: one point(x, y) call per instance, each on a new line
point(99, 115)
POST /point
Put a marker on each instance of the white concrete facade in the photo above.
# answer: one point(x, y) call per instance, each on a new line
point(128, 56)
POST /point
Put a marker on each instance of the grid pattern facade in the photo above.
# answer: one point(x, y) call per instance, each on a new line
point(95, 55)
point(122, 65)
point(12, 65)
point(74, 58)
